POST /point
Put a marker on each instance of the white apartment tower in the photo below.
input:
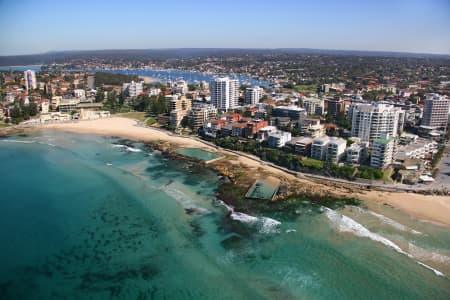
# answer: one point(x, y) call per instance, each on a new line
point(383, 153)
point(372, 121)
point(253, 95)
point(224, 93)
point(30, 79)
point(435, 111)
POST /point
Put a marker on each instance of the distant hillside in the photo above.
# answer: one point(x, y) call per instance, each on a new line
point(152, 54)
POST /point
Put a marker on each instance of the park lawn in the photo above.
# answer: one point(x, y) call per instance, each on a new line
point(140, 116)
point(305, 88)
point(150, 121)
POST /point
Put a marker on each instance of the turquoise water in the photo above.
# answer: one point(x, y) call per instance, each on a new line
point(88, 217)
point(197, 153)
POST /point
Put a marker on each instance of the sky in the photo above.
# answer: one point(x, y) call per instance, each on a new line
point(39, 26)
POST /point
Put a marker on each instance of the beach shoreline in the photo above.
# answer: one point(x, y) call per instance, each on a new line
point(430, 208)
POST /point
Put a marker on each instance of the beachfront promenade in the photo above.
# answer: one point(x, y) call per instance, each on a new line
point(360, 183)
point(357, 183)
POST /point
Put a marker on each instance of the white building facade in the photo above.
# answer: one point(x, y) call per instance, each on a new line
point(373, 121)
point(30, 79)
point(383, 152)
point(435, 111)
point(253, 95)
point(224, 93)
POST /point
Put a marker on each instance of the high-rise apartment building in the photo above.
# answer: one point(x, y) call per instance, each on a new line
point(224, 93)
point(91, 82)
point(253, 95)
point(335, 106)
point(383, 152)
point(30, 79)
point(435, 111)
point(372, 121)
point(313, 106)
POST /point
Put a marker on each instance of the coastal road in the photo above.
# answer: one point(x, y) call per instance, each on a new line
point(362, 183)
point(442, 180)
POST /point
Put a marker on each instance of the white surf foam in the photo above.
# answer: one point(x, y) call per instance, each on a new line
point(264, 224)
point(385, 220)
point(229, 208)
point(47, 143)
point(183, 199)
point(437, 272)
point(393, 223)
point(127, 148)
point(345, 224)
point(426, 254)
point(18, 141)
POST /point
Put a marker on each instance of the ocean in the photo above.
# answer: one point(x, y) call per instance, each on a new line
point(91, 217)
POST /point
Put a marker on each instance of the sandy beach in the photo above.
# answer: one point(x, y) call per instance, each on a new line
point(434, 209)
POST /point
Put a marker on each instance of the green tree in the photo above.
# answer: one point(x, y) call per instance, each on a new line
point(33, 109)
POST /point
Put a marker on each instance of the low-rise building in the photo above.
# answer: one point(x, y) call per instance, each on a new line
point(88, 114)
point(418, 149)
point(216, 125)
point(303, 146)
point(313, 128)
point(263, 133)
point(313, 106)
point(133, 89)
point(45, 106)
point(79, 93)
point(232, 118)
point(319, 148)
point(278, 139)
point(154, 92)
point(253, 127)
point(335, 149)
point(54, 117)
point(238, 129)
point(68, 105)
point(56, 100)
point(295, 114)
point(357, 153)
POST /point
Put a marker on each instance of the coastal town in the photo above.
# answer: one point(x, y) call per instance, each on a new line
point(390, 133)
point(225, 150)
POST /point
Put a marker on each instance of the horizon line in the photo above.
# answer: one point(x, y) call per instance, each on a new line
point(231, 48)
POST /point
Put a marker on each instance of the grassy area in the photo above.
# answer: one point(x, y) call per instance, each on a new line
point(141, 116)
point(305, 88)
point(150, 121)
point(387, 175)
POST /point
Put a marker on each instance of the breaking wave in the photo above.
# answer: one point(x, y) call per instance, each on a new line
point(183, 199)
point(343, 223)
point(127, 148)
point(263, 224)
point(17, 141)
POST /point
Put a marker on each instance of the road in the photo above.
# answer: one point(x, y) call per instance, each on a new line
point(442, 180)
